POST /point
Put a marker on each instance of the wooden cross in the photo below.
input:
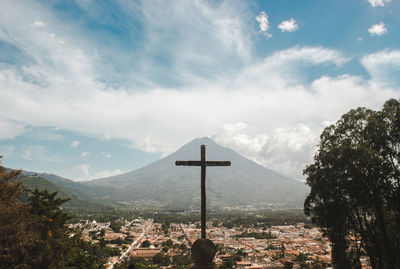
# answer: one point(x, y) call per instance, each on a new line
point(203, 163)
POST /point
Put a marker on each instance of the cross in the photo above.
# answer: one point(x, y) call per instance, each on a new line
point(203, 163)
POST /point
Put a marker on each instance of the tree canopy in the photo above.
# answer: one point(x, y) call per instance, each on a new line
point(35, 235)
point(355, 186)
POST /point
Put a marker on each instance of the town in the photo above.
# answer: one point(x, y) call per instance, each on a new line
point(168, 246)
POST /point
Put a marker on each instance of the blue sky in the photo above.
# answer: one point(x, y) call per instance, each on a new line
point(90, 89)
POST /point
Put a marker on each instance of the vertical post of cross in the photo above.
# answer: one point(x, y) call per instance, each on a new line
point(203, 190)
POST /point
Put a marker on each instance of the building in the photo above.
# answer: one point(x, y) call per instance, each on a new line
point(146, 253)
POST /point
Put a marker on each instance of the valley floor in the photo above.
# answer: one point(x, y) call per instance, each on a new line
point(157, 245)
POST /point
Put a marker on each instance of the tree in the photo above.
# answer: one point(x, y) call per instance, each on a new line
point(162, 259)
point(227, 263)
point(145, 244)
point(115, 226)
point(288, 265)
point(168, 243)
point(34, 234)
point(181, 261)
point(16, 234)
point(355, 186)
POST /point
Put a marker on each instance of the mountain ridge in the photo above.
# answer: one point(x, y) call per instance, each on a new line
point(244, 183)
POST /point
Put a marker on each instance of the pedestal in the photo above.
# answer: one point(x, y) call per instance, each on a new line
point(203, 253)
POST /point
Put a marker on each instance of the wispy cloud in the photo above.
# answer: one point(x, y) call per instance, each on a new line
point(378, 3)
point(288, 26)
point(107, 173)
point(383, 66)
point(84, 173)
point(263, 22)
point(85, 154)
point(83, 170)
point(10, 129)
point(378, 29)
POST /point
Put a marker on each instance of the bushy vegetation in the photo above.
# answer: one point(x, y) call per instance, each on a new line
point(33, 234)
point(355, 187)
point(262, 235)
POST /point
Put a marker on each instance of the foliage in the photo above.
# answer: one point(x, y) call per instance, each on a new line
point(16, 234)
point(181, 261)
point(137, 263)
point(145, 244)
point(263, 219)
point(115, 226)
point(168, 243)
point(288, 265)
point(162, 259)
point(355, 186)
point(35, 235)
point(301, 257)
point(242, 253)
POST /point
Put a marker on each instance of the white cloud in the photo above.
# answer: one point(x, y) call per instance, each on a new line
point(288, 26)
point(75, 143)
point(10, 129)
point(263, 21)
point(235, 136)
point(310, 55)
point(84, 173)
point(378, 29)
point(85, 154)
point(286, 150)
point(378, 3)
point(263, 96)
point(383, 66)
point(107, 173)
point(381, 58)
point(179, 30)
point(83, 170)
point(284, 67)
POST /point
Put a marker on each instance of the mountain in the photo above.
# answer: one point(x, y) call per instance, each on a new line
point(79, 199)
point(243, 183)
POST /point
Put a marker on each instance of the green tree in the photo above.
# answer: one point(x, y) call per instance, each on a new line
point(181, 261)
point(16, 234)
point(35, 235)
point(227, 263)
point(168, 243)
point(115, 226)
point(145, 244)
point(162, 259)
point(288, 265)
point(355, 186)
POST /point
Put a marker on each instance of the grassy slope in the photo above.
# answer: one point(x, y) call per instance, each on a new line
point(76, 202)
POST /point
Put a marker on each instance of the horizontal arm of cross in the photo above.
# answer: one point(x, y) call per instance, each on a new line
point(200, 163)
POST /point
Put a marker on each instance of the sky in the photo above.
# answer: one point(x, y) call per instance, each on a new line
point(91, 89)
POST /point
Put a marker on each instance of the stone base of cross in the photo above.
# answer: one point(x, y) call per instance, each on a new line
point(203, 249)
point(203, 253)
